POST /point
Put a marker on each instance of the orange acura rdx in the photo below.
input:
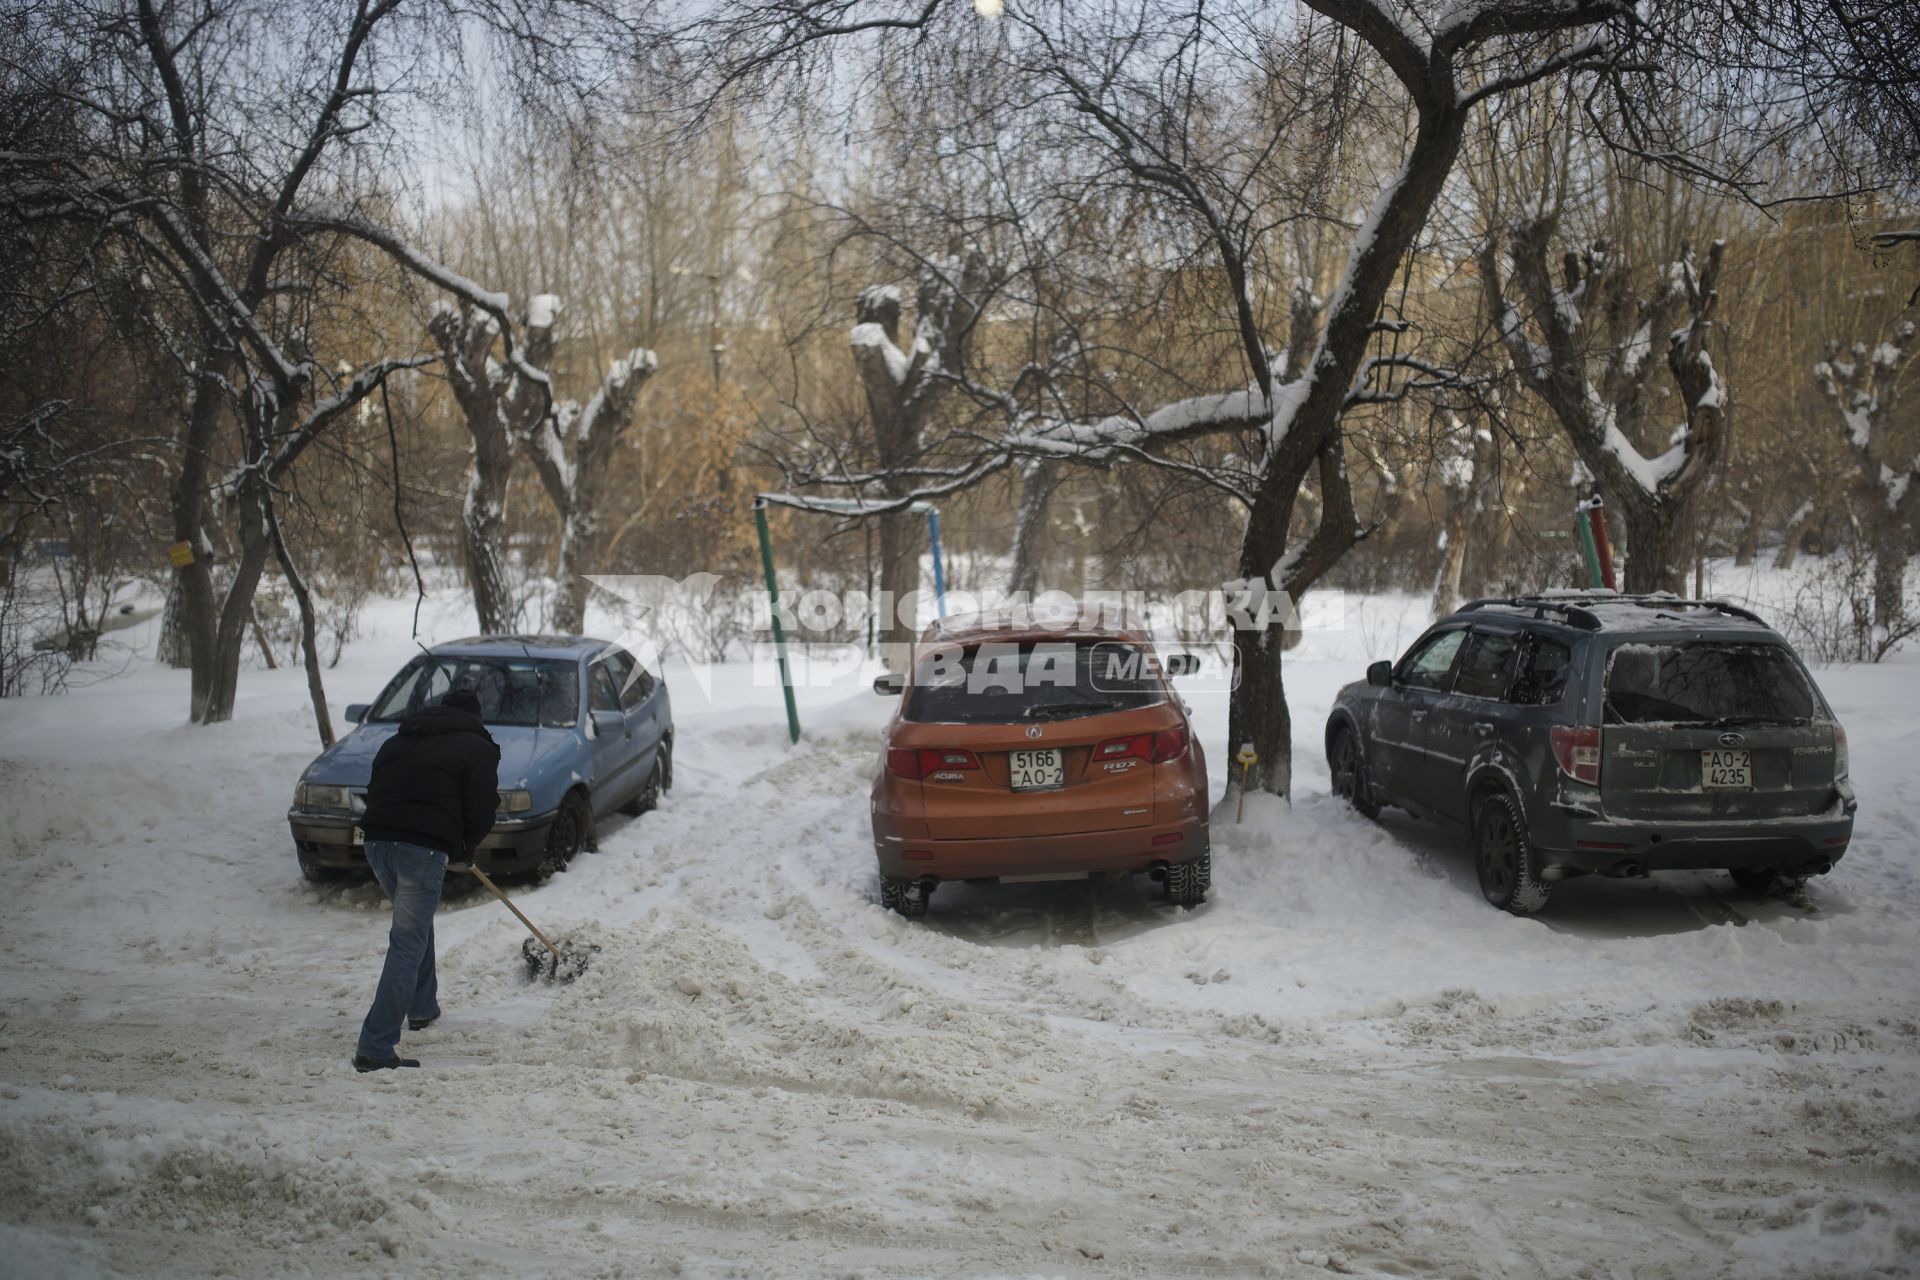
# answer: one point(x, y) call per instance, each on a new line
point(1026, 753)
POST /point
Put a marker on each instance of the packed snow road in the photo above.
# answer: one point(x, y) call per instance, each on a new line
point(1344, 1062)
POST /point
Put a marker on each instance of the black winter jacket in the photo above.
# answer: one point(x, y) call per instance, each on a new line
point(436, 782)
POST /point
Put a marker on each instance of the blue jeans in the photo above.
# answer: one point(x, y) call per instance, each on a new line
point(412, 875)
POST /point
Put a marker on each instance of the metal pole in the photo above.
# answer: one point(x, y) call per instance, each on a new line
point(939, 573)
point(1584, 528)
point(779, 633)
point(1603, 551)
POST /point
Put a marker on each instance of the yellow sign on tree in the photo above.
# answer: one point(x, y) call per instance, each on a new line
point(181, 553)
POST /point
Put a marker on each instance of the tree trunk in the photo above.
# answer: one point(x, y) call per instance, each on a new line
point(1890, 553)
point(903, 537)
point(1748, 548)
point(567, 613)
point(1030, 523)
point(1659, 545)
point(1453, 561)
point(309, 645)
point(1258, 711)
point(483, 538)
point(236, 612)
point(1258, 714)
point(172, 646)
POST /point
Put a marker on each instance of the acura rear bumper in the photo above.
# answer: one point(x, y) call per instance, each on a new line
point(1094, 852)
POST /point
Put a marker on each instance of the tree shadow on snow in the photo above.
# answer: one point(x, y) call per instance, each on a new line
point(1668, 902)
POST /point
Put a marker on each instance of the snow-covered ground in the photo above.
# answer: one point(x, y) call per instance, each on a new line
point(1345, 1061)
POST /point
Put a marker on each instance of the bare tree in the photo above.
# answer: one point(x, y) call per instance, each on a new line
point(500, 403)
point(903, 389)
point(1863, 386)
point(215, 179)
point(1593, 370)
point(572, 450)
point(1132, 85)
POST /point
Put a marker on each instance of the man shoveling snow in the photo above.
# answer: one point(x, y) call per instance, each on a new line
point(433, 794)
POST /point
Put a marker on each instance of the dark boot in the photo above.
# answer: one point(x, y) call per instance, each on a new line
point(363, 1064)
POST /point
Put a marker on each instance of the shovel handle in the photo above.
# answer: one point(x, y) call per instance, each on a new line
point(487, 880)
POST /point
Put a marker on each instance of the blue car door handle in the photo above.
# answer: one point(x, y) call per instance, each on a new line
point(1483, 727)
point(1419, 715)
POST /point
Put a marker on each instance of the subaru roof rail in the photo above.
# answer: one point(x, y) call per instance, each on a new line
point(1578, 606)
point(1573, 612)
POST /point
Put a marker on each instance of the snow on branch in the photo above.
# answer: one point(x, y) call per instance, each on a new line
point(330, 216)
point(1863, 390)
point(1587, 315)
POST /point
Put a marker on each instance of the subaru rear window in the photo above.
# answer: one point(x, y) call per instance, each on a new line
point(1706, 682)
point(512, 691)
point(996, 683)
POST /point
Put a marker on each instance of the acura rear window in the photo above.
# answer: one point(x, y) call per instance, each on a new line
point(1706, 682)
point(996, 683)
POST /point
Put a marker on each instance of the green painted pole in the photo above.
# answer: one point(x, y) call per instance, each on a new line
point(779, 633)
point(1587, 548)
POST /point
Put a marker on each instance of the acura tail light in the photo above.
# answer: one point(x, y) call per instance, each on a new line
point(1168, 744)
point(918, 764)
point(1577, 751)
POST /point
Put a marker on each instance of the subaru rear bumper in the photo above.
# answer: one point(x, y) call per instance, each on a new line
point(332, 841)
point(1799, 846)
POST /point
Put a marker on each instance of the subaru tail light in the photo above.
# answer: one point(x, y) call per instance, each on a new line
point(1840, 761)
point(1576, 749)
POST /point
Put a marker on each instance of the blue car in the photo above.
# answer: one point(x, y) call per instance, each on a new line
point(583, 730)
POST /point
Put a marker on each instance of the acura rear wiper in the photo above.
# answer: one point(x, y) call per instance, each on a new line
point(1052, 708)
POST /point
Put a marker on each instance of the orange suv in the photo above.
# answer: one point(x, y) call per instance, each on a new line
point(1024, 753)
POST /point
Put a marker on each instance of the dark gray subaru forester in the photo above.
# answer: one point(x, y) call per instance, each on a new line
point(1575, 733)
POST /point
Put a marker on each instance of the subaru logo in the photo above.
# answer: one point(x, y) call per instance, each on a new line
point(1033, 731)
point(1731, 739)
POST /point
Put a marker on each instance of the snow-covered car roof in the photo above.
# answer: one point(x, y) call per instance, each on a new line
point(1612, 611)
point(1018, 624)
point(523, 645)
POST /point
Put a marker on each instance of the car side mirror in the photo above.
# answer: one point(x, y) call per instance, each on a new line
point(1380, 674)
point(356, 712)
point(1182, 664)
point(892, 684)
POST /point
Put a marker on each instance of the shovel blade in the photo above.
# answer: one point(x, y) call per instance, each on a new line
point(570, 962)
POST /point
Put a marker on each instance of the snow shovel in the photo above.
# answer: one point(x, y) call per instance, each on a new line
point(561, 963)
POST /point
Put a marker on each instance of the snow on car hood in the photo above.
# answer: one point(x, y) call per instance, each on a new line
point(349, 762)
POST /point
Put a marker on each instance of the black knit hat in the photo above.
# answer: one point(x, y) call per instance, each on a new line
point(462, 700)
